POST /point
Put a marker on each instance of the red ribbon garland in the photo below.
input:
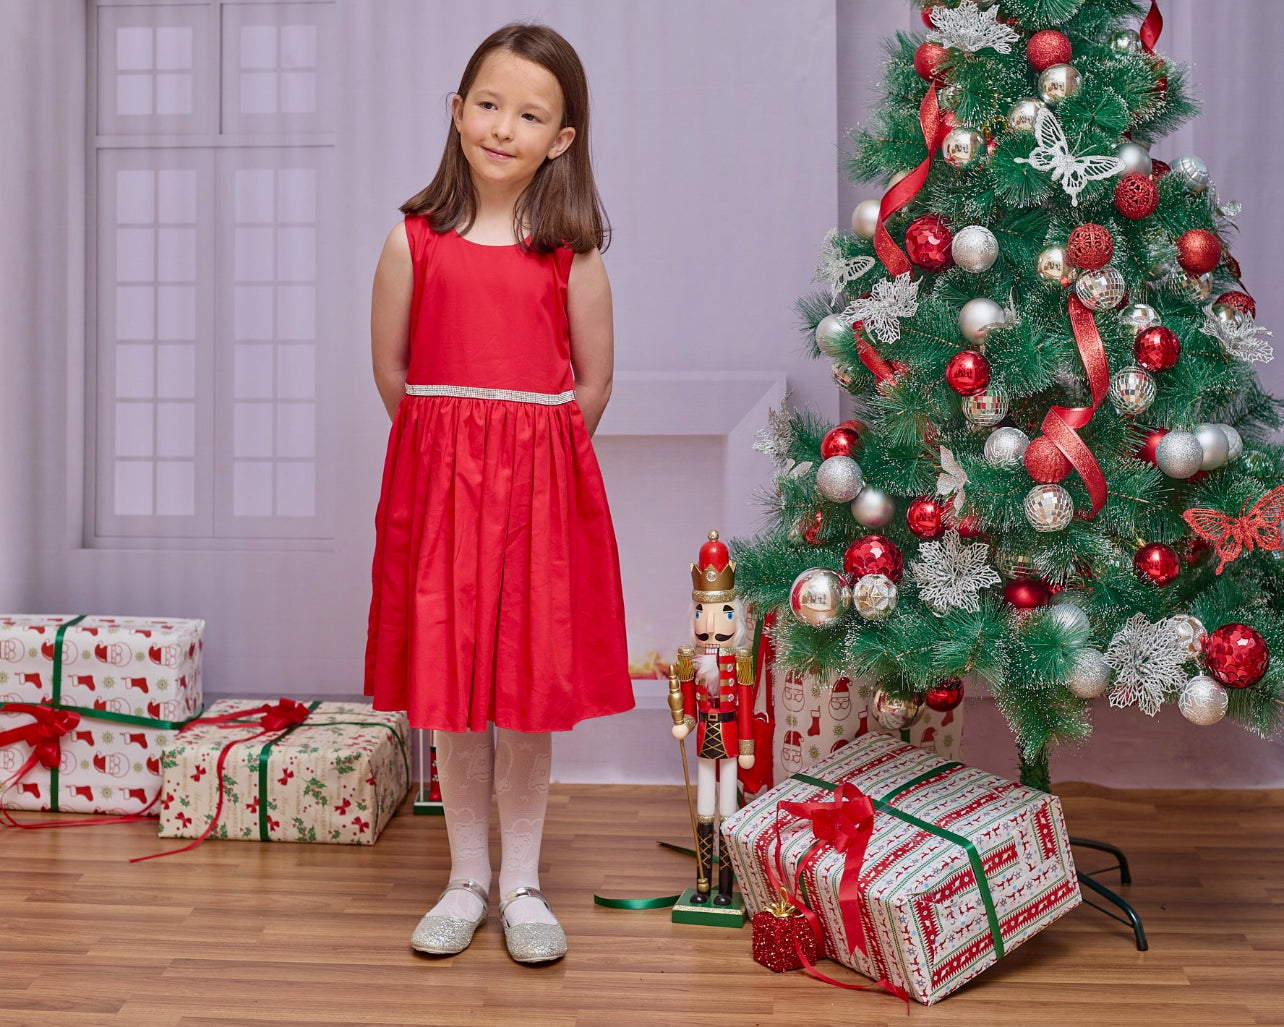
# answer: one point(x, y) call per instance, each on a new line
point(272, 719)
point(1060, 422)
point(1151, 27)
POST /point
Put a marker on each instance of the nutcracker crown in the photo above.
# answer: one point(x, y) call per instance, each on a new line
point(713, 579)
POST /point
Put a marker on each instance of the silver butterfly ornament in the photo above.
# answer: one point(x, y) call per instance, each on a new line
point(1053, 154)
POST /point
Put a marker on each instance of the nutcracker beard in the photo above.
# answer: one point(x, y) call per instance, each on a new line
point(715, 800)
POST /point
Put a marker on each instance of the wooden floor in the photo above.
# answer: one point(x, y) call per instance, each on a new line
point(244, 933)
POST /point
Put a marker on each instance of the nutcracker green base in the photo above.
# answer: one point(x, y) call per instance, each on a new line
point(426, 807)
point(687, 911)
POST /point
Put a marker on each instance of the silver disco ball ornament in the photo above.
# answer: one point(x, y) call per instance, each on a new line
point(1191, 172)
point(819, 597)
point(1101, 289)
point(1089, 675)
point(1179, 454)
point(1015, 566)
point(1132, 391)
point(974, 248)
point(1021, 114)
point(839, 479)
point(1048, 508)
point(874, 597)
point(1135, 157)
point(1125, 41)
point(1197, 287)
point(1234, 443)
point(1203, 701)
point(962, 147)
point(978, 316)
point(1058, 82)
point(1070, 617)
point(1052, 265)
point(841, 378)
point(1215, 444)
point(894, 713)
point(865, 218)
point(834, 335)
point(985, 409)
point(1138, 316)
point(1190, 632)
point(950, 96)
point(873, 507)
point(1005, 447)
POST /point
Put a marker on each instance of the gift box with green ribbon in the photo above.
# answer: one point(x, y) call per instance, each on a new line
point(921, 871)
point(286, 772)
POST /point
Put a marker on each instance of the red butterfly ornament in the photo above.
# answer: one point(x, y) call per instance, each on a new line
point(1230, 536)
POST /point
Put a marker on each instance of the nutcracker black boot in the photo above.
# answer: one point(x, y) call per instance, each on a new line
point(725, 881)
point(704, 858)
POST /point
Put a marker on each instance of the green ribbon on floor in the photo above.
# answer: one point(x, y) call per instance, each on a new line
point(660, 901)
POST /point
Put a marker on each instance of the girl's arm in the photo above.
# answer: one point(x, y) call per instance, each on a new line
point(588, 306)
point(394, 287)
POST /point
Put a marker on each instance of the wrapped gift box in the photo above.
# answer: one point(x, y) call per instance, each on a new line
point(915, 912)
point(337, 777)
point(129, 683)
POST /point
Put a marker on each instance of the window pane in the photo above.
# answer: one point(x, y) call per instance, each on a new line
point(296, 372)
point(298, 259)
point(297, 189)
point(176, 254)
point(176, 372)
point(133, 492)
point(174, 93)
point(296, 489)
point(251, 489)
point(176, 429)
point(295, 430)
point(135, 197)
point(258, 46)
point(133, 372)
point(135, 255)
point(176, 311)
point(134, 429)
point(135, 305)
point(252, 372)
point(175, 488)
point(174, 48)
point(298, 46)
point(254, 196)
point(252, 430)
point(298, 92)
point(254, 260)
point(253, 312)
point(296, 314)
point(134, 94)
point(176, 196)
point(133, 49)
point(258, 92)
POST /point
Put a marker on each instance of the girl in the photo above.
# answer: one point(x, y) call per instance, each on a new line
point(496, 578)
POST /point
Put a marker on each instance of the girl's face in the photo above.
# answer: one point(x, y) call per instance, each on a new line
point(510, 122)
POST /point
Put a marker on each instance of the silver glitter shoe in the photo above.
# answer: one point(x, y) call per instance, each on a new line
point(446, 935)
point(531, 943)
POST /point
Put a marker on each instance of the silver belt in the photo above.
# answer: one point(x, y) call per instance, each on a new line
point(547, 399)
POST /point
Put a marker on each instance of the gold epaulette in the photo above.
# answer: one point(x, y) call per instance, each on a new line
point(686, 662)
point(744, 666)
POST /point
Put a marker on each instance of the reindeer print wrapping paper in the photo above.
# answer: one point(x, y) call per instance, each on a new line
point(132, 681)
point(338, 777)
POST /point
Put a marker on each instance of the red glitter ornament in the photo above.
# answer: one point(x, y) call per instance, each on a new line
point(926, 518)
point(927, 243)
point(927, 61)
point(777, 940)
point(1198, 251)
point(1156, 348)
point(1236, 655)
point(926, 14)
point(1090, 247)
point(812, 527)
point(1149, 442)
point(1196, 551)
point(1241, 301)
point(1026, 593)
point(944, 695)
point(968, 373)
point(1158, 562)
point(969, 526)
point(873, 554)
point(1045, 462)
point(1136, 196)
point(1047, 48)
point(840, 441)
point(1158, 169)
point(1232, 265)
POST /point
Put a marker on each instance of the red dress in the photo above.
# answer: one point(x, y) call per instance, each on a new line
point(496, 576)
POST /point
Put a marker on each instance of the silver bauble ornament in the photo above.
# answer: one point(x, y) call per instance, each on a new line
point(1052, 265)
point(865, 218)
point(1101, 289)
point(873, 507)
point(1234, 443)
point(898, 177)
point(1132, 390)
point(1179, 454)
point(1048, 508)
point(1191, 172)
point(950, 96)
point(1231, 317)
point(962, 147)
point(1125, 41)
point(1005, 447)
point(1015, 566)
point(874, 597)
point(1138, 316)
point(1215, 444)
point(1070, 617)
point(974, 248)
point(893, 713)
point(978, 316)
point(819, 597)
point(1058, 82)
point(1135, 157)
point(1089, 674)
point(1203, 701)
point(1021, 114)
point(839, 479)
point(1190, 632)
point(1197, 287)
point(985, 409)
point(833, 335)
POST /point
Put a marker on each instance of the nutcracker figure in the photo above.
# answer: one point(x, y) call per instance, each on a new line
point(715, 677)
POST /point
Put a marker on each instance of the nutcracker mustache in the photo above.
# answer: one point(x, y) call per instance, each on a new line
point(703, 636)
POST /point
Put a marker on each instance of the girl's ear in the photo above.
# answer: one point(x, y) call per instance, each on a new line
point(456, 108)
point(561, 143)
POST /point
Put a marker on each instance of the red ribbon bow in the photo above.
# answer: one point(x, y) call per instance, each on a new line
point(285, 713)
point(43, 734)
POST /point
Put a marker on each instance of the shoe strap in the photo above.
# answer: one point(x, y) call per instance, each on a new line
point(522, 892)
point(468, 885)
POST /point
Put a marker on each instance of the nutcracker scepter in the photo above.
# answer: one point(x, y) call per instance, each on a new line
point(675, 708)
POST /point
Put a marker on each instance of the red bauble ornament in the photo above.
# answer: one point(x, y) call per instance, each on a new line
point(926, 14)
point(1236, 655)
point(1156, 348)
point(927, 61)
point(927, 243)
point(1158, 169)
point(811, 528)
point(1241, 301)
point(1232, 265)
point(840, 441)
point(968, 373)
point(944, 695)
point(1196, 551)
point(1045, 462)
point(1198, 251)
point(885, 385)
point(1149, 442)
point(969, 526)
point(1090, 247)
point(1026, 593)
point(1047, 48)
point(926, 517)
point(873, 554)
point(1158, 562)
point(1136, 196)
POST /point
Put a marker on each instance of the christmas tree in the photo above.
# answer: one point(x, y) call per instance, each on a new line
point(1060, 480)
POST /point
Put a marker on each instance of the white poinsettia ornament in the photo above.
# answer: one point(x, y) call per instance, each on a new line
point(881, 311)
point(1147, 660)
point(1242, 338)
point(951, 573)
point(968, 27)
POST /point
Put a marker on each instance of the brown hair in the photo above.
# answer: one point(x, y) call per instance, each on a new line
point(561, 206)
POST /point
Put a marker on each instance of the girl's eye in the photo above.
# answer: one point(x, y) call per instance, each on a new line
point(486, 105)
point(530, 117)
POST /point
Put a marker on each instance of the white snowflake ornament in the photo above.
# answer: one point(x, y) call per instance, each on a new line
point(881, 311)
point(967, 27)
point(1241, 339)
point(1147, 660)
point(836, 270)
point(950, 573)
